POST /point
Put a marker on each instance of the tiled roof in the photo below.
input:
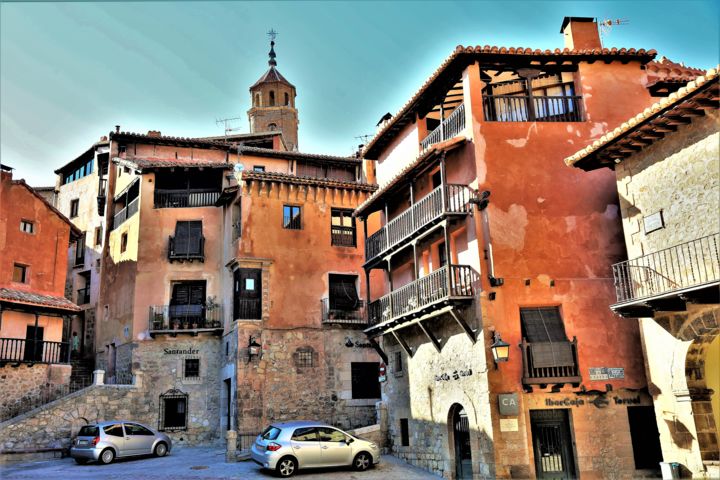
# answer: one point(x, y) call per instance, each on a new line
point(478, 52)
point(168, 140)
point(298, 180)
point(74, 231)
point(267, 152)
point(665, 70)
point(421, 158)
point(272, 75)
point(141, 163)
point(242, 136)
point(655, 111)
point(37, 299)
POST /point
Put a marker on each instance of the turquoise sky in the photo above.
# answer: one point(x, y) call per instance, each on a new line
point(69, 72)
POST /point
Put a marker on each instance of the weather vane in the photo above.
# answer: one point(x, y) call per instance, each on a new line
point(272, 34)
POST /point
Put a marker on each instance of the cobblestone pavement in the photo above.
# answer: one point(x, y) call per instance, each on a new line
point(197, 463)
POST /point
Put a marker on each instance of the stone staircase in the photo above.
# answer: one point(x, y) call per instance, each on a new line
point(82, 371)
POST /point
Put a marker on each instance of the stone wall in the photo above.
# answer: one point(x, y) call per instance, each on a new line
point(23, 384)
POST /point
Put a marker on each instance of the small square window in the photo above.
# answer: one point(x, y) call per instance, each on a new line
point(258, 168)
point(20, 273)
point(74, 207)
point(291, 217)
point(192, 367)
point(27, 226)
point(123, 242)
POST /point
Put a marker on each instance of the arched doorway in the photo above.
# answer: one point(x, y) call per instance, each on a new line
point(460, 442)
point(701, 368)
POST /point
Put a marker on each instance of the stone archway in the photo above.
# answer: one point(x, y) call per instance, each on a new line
point(459, 442)
point(703, 329)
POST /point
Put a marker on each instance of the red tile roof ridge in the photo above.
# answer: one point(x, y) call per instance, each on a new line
point(488, 49)
point(37, 298)
point(270, 176)
point(640, 118)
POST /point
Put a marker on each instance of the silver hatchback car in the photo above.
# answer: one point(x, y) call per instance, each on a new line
point(287, 447)
point(106, 441)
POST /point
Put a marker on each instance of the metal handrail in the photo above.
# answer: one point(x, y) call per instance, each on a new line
point(184, 317)
point(687, 265)
point(348, 315)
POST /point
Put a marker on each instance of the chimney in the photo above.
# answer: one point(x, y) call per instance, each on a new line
point(154, 133)
point(6, 172)
point(581, 33)
point(117, 128)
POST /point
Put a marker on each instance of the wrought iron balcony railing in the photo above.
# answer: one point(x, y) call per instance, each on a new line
point(194, 197)
point(188, 249)
point(333, 313)
point(550, 362)
point(127, 212)
point(22, 350)
point(185, 318)
point(686, 266)
point(422, 295)
point(524, 108)
point(452, 126)
point(426, 211)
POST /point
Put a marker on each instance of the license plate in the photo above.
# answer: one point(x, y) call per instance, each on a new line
point(82, 442)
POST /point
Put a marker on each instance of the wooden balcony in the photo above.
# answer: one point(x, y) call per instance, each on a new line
point(127, 212)
point(21, 350)
point(187, 249)
point(354, 316)
point(526, 108)
point(425, 295)
point(445, 200)
point(186, 198)
point(449, 128)
point(185, 319)
point(550, 363)
point(665, 280)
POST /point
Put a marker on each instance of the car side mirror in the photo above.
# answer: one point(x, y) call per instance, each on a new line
point(349, 440)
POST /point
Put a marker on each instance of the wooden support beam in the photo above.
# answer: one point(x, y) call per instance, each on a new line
point(403, 344)
point(677, 120)
point(693, 112)
point(706, 103)
point(378, 349)
point(463, 324)
point(665, 128)
point(433, 339)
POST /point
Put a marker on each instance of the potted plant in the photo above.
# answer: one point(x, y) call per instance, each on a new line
point(176, 325)
point(210, 307)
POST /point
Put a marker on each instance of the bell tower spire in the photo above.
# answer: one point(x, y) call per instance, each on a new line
point(273, 102)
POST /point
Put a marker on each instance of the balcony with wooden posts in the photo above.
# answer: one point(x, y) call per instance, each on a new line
point(449, 127)
point(334, 313)
point(546, 363)
point(17, 351)
point(668, 279)
point(447, 286)
point(530, 108)
point(448, 200)
point(185, 319)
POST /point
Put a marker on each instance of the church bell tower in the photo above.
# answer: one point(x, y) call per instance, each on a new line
point(273, 103)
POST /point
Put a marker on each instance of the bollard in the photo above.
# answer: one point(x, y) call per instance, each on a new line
point(231, 446)
point(99, 377)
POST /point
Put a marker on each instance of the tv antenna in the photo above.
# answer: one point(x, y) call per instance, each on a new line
point(272, 34)
point(225, 122)
point(364, 138)
point(607, 24)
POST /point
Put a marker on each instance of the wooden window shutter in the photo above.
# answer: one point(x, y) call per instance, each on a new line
point(182, 233)
point(194, 237)
point(542, 325)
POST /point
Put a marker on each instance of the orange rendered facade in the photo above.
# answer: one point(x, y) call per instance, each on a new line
point(523, 237)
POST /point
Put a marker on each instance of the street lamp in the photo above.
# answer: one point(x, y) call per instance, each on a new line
point(254, 349)
point(500, 350)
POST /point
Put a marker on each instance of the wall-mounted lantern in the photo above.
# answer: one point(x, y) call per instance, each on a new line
point(254, 349)
point(500, 350)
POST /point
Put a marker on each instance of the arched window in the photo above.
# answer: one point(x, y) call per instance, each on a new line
point(272, 127)
point(257, 100)
point(287, 99)
point(272, 98)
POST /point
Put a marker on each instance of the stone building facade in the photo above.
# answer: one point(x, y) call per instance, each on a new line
point(669, 187)
point(480, 239)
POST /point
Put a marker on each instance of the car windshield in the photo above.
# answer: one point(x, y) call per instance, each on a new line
point(270, 433)
point(88, 431)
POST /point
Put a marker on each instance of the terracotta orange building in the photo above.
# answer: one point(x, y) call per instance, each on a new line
point(483, 243)
point(34, 314)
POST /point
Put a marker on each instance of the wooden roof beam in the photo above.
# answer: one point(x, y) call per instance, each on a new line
point(677, 120)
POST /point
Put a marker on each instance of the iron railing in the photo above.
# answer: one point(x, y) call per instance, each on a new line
point(43, 395)
point(525, 108)
point(332, 313)
point(452, 126)
point(422, 293)
point(426, 210)
point(83, 295)
point(122, 377)
point(565, 369)
point(189, 252)
point(194, 197)
point(27, 350)
point(687, 265)
point(172, 318)
point(245, 440)
point(127, 212)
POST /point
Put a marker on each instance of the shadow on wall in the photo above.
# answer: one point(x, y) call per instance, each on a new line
point(681, 436)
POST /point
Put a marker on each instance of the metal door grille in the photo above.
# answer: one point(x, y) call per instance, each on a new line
point(552, 444)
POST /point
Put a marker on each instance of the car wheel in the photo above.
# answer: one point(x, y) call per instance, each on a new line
point(160, 450)
point(286, 467)
point(81, 461)
point(362, 461)
point(107, 456)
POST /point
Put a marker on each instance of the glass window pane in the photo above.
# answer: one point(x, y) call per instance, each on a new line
point(305, 435)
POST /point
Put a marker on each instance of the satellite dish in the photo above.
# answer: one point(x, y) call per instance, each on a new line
point(239, 167)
